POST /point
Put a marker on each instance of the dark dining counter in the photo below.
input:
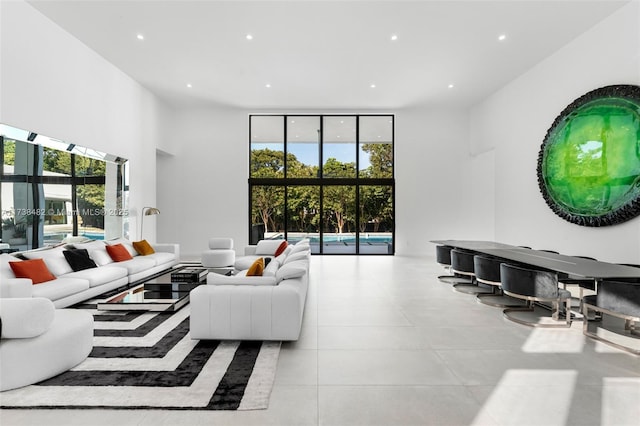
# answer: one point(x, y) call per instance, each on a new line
point(572, 265)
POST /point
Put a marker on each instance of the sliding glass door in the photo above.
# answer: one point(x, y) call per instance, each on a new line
point(326, 178)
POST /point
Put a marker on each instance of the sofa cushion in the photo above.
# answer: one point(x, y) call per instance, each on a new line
point(60, 287)
point(240, 279)
point(119, 253)
point(161, 257)
point(35, 269)
point(79, 259)
point(135, 265)
point(54, 258)
point(257, 268)
point(99, 276)
point(284, 254)
point(24, 318)
point(126, 243)
point(292, 270)
point(267, 247)
point(143, 248)
point(5, 269)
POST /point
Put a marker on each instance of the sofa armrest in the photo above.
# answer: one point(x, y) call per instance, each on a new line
point(167, 248)
point(250, 250)
point(24, 318)
point(16, 287)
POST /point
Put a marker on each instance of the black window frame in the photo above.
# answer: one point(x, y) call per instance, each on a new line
point(322, 182)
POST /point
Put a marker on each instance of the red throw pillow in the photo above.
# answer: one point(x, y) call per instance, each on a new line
point(119, 253)
point(281, 248)
point(35, 269)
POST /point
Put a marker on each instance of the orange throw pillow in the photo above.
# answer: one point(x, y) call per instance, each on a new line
point(256, 268)
point(35, 269)
point(119, 253)
point(281, 248)
point(143, 248)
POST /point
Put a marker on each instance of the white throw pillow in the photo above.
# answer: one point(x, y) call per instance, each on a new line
point(303, 241)
point(5, 269)
point(100, 256)
point(24, 318)
point(301, 255)
point(126, 243)
point(91, 245)
point(300, 247)
point(271, 268)
point(292, 270)
point(55, 260)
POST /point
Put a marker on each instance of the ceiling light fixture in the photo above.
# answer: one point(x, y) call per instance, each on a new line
point(394, 37)
point(189, 85)
point(502, 37)
point(249, 37)
point(450, 86)
point(268, 85)
point(140, 37)
point(373, 86)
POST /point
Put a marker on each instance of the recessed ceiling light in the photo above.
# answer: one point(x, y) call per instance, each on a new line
point(373, 86)
point(249, 37)
point(140, 37)
point(341, 121)
point(268, 85)
point(502, 37)
point(394, 37)
point(189, 85)
point(450, 86)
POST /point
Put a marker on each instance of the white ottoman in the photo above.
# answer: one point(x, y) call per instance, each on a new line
point(220, 253)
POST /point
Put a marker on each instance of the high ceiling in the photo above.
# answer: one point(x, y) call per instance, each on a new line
point(325, 54)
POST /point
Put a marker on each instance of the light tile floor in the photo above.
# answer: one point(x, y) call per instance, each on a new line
point(385, 343)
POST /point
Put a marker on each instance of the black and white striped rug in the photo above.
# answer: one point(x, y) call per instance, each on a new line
point(148, 360)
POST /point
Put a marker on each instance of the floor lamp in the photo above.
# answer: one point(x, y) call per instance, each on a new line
point(147, 211)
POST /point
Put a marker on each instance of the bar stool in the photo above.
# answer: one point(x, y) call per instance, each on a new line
point(487, 270)
point(462, 263)
point(443, 258)
point(533, 286)
point(620, 300)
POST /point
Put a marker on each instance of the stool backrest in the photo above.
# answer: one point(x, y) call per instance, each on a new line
point(529, 282)
point(462, 261)
point(621, 297)
point(443, 255)
point(487, 268)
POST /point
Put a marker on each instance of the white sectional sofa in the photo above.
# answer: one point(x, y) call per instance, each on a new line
point(267, 307)
point(71, 287)
point(39, 341)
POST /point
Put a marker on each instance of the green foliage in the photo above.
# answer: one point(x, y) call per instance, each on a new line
point(9, 152)
point(339, 200)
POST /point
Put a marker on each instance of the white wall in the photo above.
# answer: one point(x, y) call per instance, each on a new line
point(514, 122)
point(54, 85)
point(203, 187)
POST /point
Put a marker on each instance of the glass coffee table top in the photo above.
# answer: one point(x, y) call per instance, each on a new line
point(160, 293)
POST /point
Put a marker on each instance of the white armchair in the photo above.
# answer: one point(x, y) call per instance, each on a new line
point(38, 341)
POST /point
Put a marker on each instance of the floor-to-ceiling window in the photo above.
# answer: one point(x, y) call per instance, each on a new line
point(51, 190)
point(329, 178)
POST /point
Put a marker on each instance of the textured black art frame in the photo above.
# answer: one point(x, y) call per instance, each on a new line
point(621, 214)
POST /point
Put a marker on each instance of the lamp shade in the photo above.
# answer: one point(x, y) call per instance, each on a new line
point(147, 211)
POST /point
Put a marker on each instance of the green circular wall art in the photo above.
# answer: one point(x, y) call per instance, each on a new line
point(589, 162)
